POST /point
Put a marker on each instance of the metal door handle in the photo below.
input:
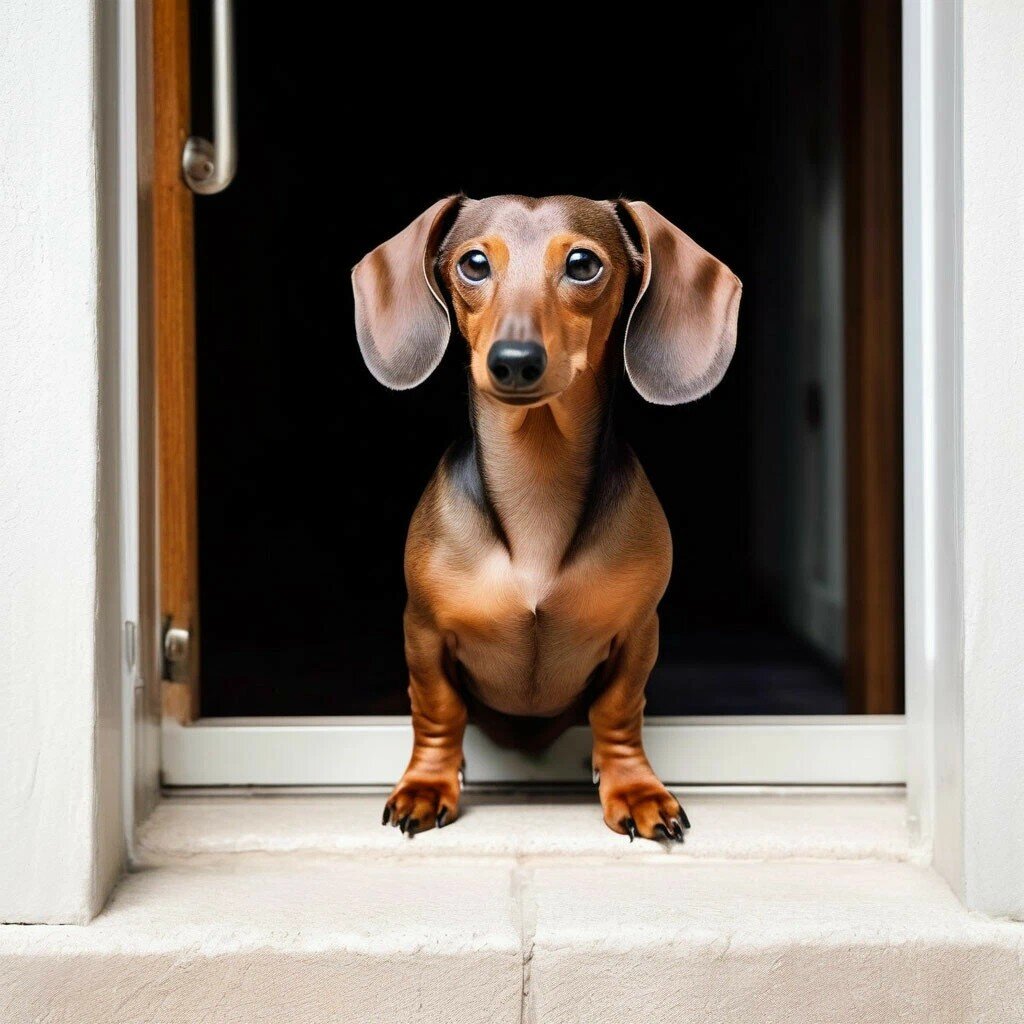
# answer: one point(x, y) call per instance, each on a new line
point(209, 166)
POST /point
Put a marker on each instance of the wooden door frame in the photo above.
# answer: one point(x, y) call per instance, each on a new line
point(873, 323)
point(167, 321)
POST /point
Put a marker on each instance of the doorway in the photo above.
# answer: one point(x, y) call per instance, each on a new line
point(307, 471)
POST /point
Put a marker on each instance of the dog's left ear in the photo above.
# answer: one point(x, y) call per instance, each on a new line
point(402, 319)
point(681, 332)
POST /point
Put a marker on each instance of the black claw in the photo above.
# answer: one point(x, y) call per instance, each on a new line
point(387, 814)
point(410, 829)
point(662, 831)
point(630, 826)
point(677, 830)
point(682, 815)
point(441, 815)
point(403, 823)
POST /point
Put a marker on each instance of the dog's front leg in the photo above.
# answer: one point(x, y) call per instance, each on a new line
point(632, 797)
point(428, 793)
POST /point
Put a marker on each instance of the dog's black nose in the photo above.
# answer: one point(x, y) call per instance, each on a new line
point(516, 365)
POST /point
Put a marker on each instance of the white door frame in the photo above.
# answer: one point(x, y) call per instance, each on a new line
point(963, 127)
point(749, 749)
point(770, 750)
point(931, 393)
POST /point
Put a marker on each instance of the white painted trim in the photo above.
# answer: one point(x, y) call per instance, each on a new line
point(932, 423)
point(140, 732)
point(553, 789)
point(128, 298)
point(779, 750)
point(918, 405)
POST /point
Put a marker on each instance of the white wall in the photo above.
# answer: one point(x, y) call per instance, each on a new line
point(993, 455)
point(60, 839)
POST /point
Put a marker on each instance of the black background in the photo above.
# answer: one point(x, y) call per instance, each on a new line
point(308, 469)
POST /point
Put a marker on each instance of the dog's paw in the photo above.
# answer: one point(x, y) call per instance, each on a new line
point(421, 802)
point(641, 806)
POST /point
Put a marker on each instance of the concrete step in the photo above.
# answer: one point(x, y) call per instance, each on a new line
point(772, 824)
point(270, 939)
point(857, 942)
point(302, 926)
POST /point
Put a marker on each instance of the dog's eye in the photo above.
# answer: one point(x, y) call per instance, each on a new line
point(582, 265)
point(473, 267)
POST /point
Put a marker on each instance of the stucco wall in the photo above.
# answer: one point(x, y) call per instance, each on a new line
point(993, 418)
point(58, 598)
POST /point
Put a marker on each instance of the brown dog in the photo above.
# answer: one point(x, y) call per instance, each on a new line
point(538, 554)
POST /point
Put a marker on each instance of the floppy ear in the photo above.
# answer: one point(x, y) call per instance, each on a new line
point(681, 332)
point(402, 320)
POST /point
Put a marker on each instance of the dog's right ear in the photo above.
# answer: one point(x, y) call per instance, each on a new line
point(402, 320)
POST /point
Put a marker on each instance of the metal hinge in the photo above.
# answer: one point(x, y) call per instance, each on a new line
point(176, 652)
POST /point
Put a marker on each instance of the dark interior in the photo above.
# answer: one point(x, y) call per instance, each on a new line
point(309, 470)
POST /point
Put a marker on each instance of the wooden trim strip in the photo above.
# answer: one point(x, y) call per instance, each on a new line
point(874, 356)
point(174, 338)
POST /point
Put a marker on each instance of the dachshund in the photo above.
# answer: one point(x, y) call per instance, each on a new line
point(538, 554)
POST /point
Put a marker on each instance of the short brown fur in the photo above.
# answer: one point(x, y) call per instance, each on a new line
point(514, 612)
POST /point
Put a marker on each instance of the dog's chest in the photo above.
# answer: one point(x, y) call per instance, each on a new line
point(527, 633)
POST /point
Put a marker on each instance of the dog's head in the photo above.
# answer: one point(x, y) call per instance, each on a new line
point(536, 286)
